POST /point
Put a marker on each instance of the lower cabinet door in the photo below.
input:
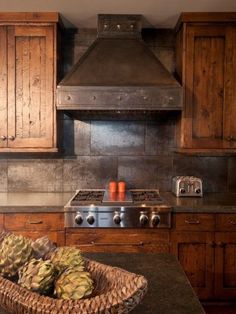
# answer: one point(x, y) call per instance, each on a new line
point(225, 265)
point(111, 240)
point(195, 252)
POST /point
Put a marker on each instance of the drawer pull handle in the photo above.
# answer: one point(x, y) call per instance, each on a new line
point(232, 222)
point(212, 244)
point(192, 222)
point(37, 222)
point(221, 244)
point(118, 244)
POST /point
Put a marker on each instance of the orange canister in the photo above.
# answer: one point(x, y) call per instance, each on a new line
point(112, 187)
point(121, 187)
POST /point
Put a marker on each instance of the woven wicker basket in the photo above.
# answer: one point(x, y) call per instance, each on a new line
point(116, 291)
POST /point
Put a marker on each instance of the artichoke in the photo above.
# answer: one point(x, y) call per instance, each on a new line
point(37, 276)
point(73, 284)
point(64, 257)
point(15, 251)
point(42, 247)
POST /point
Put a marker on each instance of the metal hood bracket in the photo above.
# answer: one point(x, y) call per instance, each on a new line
point(119, 72)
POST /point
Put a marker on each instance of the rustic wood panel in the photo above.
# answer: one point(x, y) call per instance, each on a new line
point(31, 64)
point(209, 62)
point(29, 17)
point(195, 253)
point(194, 222)
point(119, 240)
point(230, 90)
point(55, 236)
point(3, 87)
point(226, 222)
point(1, 222)
point(209, 55)
point(225, 265)
point(34, 221)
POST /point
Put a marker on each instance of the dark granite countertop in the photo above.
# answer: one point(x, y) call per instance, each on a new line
point(209, 203)
point(33, 202)
point(55, 202)
point(169, 291)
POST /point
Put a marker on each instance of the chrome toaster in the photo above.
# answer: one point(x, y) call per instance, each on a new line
point(187, 186)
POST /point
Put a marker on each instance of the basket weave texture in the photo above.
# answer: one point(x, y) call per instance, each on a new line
point(116, 291)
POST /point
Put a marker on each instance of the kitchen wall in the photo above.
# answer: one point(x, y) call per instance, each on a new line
point(140, 152)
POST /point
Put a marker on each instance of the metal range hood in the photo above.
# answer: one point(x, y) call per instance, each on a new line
point(118, 74)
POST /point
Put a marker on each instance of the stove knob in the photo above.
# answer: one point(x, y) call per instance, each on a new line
point(117, 219)
point(143, 219)
point(90, 219)
point(78, 219)
point(155, 220)
point(182, 191)
point(198, 191)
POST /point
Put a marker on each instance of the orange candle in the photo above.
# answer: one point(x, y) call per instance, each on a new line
point(112, 186)
point(121, 187)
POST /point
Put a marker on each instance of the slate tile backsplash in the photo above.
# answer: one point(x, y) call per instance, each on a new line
point(95, 152)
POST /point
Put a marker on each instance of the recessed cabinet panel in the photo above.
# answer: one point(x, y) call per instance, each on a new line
point(3, 87)
point(30, 96)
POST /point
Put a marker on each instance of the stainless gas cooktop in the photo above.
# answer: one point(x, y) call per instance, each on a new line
point(140, 208)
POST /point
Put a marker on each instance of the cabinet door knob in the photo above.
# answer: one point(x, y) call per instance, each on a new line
point(3, 137)
point(232, 222)
point(11, 138)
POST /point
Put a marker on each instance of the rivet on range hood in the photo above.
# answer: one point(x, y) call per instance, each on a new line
point(118, 73)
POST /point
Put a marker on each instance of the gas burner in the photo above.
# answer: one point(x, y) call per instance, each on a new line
point(88, 196)
point(145, 196)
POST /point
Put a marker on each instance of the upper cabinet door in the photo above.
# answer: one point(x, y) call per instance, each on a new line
point(30, 86)
point(209, 83)
point(3, 87)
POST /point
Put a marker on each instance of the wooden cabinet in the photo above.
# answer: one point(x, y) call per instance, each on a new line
point(192, 241)
point(206, 249)
point(206, 54)
point(28, 81)
point(113, 240)
point(1, 222)
point(35, 225)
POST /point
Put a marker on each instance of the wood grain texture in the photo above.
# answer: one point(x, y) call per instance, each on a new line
point(57, 237)
point(209, 81)
point(118, 240)
point(29, 17)
point(225, 265)
point(34, 222)
point(1, 222)
point(3, 87)
point(197, 259)
point(194, 222)
point(226, 222)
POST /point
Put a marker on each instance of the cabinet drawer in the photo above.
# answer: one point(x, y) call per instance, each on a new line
point(34, 221)
point(108, 241)
point(226, 222)
point(195, 222)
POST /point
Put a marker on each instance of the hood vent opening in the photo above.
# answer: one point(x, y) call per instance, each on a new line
point(118, 75)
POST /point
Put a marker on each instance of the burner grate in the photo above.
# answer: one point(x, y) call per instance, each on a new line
point(146, 196)
point(88, 196)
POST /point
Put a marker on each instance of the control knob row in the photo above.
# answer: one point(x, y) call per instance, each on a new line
point(183, 191)
point(155, 220)
point(79, 219)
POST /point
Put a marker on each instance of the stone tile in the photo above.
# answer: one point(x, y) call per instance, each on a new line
point(145, 172)
point(232, 174)
point(68, 137)
point(212, 170)
point(89, 172)
point(117, 138)
point(35, 175)
point(3, 175)
point(82, 138)
point(160, 137)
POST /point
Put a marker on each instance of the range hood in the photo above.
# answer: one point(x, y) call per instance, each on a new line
point(118, 74)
